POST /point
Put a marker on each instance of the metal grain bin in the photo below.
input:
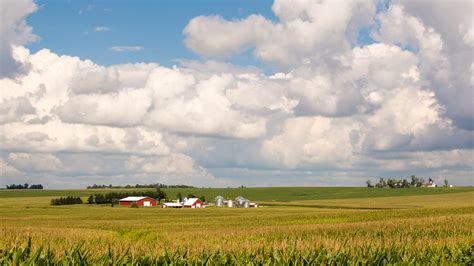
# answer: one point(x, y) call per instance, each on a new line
point(240, 202)
point(219, 201)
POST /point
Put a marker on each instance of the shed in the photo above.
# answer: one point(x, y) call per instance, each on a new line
point(171, 205)
point(140, 201)
point(193, 203)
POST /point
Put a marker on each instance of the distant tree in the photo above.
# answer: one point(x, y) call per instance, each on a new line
point(90, 200)
point(381, 183)
point(179, 197)
point(99, 199)
point(369, 183)
point(420, 183)
point(414, 180)
point(66, 201)
point(446, 184)
point(190, 196)
point(202, 198)
point(392, 183)
point(405, 183)
point(160, 194)
point(24, 186)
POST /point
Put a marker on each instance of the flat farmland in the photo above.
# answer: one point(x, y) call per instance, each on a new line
point(296, 225)
point(257, 193)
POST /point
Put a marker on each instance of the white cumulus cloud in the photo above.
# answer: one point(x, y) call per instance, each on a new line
point(124, 48)
point(336, 110)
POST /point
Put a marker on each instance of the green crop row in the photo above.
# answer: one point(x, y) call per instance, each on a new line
point(284, 194)
point(77, 255)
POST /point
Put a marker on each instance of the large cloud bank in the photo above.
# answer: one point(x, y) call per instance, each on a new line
point(335, 113)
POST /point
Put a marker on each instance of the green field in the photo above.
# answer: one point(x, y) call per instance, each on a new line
point(260, 194)
point(297, 225)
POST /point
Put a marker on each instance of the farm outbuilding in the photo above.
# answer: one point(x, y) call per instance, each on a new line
point(171, 205)
point(193, 203)
point(140, 201)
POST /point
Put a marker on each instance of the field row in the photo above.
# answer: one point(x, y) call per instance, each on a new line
point(423, 229)
point(277, 194)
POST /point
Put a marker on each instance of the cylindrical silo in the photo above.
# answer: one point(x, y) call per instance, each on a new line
point(219, 201)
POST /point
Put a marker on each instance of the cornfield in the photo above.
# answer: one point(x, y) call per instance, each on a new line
point(77, 255)
point(414, 230)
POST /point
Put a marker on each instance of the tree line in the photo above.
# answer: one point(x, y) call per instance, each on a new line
point(414, 181)
point(66, 201)
point(157, 185)
point(114, 197)
point(25, 186)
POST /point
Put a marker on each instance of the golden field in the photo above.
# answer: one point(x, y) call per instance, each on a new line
point(428, 228)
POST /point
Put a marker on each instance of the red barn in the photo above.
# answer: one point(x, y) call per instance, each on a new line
point(193, 203)
point(140, 201)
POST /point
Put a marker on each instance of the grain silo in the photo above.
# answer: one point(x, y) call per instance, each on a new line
point(219, 201)
point(240, 202)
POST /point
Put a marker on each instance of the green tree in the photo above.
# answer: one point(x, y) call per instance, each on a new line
point(446, 184)
point(160, 194)
point(420, 182)
point(391, 182)
point(202, 198)
point(381, 183)
point(369, 184)
point(90, 199)
point(405, 183)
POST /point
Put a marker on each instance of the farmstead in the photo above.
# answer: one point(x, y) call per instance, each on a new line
point(435, 228)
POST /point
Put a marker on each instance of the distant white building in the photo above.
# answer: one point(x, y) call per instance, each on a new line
point(431, 183)
point(171, 205)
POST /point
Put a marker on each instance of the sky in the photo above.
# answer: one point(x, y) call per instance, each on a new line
point(228, 93)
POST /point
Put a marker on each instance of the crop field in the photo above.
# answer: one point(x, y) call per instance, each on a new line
point(295, 226)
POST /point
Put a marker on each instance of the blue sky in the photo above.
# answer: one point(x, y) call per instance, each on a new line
point(68, 27)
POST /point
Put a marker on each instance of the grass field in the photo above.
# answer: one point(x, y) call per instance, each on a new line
point(260, 194)
point(298, 225)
